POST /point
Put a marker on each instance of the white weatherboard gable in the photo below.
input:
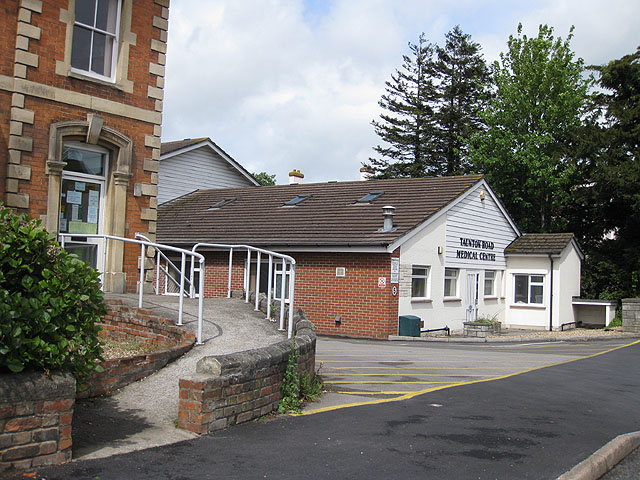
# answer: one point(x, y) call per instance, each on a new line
point(477, 232)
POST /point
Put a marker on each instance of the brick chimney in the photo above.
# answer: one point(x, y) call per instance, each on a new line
point(295, 177)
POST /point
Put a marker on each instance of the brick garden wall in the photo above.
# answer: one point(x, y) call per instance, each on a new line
point(365, 309)
point(35, 420)
point(122, 323)
point(236, 388)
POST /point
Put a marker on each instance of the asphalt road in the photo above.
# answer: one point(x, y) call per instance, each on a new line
point(357, 371)
point(533, 425)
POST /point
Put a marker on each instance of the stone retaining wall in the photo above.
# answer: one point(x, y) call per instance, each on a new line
point(235, 388)
point(122, 323)
point(35, 419)
point(631, 315)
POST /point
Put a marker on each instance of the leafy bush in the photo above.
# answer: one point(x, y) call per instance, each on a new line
point(49, 302)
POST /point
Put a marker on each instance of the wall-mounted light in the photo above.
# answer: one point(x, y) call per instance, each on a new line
point(338, 320)
point(440, 250)
point(481, 194)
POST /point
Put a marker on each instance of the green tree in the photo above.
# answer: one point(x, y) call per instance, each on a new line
point(463, 90)
point(540, 101)
point(265, 179)
point(407, 124)
point(612, 189)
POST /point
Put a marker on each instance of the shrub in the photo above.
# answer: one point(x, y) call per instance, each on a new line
point(49, 302)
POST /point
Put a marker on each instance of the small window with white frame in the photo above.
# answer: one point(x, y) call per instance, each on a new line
point(419, 281)
point(451, 282)
point(490, 283)
point(529, 289)
point(94, 48)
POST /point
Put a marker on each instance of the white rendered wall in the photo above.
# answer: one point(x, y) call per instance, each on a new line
point(566, 285)
point(472, 218)
point(568, 273)
point(528, 316)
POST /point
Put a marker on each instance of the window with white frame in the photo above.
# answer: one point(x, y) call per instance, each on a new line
point(94, 47)
point(278, 277)
point(489, 283)
point(419, 281)
point(529, 289)
point(451, 282)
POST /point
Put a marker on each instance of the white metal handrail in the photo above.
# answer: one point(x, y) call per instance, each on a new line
point(159, 268)
point(145, 242)
point(286, 261)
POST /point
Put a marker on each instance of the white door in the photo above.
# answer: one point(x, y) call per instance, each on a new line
point(471, 299)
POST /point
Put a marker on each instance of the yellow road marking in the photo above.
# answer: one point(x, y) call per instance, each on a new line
point(442, 387)
point(373, 393)
point(416, 368)
point(371, 382)
point(404, 375)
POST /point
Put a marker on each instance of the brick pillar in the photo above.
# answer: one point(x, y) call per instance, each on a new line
point(631, 315)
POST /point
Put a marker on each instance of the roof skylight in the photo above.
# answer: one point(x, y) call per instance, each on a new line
point(369, 197)
point(222, 203)
point(297, 200)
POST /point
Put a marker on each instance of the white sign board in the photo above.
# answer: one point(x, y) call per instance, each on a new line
point(395, 270)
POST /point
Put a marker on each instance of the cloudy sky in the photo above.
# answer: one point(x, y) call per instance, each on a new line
point(284, 84)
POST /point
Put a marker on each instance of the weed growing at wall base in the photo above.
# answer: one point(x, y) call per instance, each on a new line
point(290, 401)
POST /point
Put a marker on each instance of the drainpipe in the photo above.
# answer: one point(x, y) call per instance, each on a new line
point(551, 295)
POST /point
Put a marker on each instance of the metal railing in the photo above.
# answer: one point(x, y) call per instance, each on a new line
point(288, 266)
point(144, 242)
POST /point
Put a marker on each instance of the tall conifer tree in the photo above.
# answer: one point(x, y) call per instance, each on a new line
point(463, 88)
point(430, 108)
point(407, 124)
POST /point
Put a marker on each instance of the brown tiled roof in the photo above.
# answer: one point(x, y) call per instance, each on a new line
point(540, 243)
point(329, 217)
point(168, 147)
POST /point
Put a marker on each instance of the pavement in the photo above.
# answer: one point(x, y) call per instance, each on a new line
point(144, 414)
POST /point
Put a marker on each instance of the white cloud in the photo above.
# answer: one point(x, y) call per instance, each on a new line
point(284, 84)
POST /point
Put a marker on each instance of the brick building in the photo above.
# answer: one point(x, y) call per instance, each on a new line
point(81, 90)
point(369, 251)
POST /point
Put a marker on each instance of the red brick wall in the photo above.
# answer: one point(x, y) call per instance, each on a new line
point(51, 48)
point(35, 420)
point(122, 323)
point(248, 384)
point(365, 309)
point(8, 13)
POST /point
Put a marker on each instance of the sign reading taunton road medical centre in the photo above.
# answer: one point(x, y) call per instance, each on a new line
point(474, 249)
point(477, 232)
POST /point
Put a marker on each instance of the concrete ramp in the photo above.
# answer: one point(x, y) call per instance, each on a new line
point(144, 414)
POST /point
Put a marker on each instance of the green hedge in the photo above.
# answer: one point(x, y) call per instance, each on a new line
point(49, 302)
